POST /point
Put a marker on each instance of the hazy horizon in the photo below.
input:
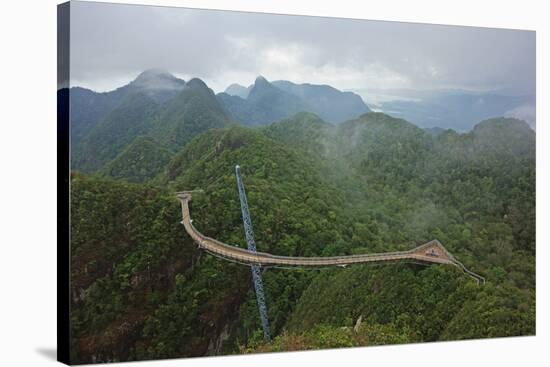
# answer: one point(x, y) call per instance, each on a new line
point(381, 61)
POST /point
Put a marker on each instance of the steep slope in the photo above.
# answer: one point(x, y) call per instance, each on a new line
point(329, 103)
point(264, 104)
point(89, 107)
point(172, 123)
point(194, 110)
point(381, 148)
point(125, 255)
point(238, 90)
point(158, 84)
point(141, 161)
point(303, 131)
point(134, 116)
point(238, 109)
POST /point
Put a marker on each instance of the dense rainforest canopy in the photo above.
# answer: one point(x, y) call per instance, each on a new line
point(140, 289)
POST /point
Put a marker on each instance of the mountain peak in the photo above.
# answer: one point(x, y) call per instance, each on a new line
point(197, 83)
point(157, 79)
point(199, 86)
point(328, 102)
point(262, 86)
point(260, 80)
point(153, 72)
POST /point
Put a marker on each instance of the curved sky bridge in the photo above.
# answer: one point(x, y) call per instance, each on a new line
point(429, 253)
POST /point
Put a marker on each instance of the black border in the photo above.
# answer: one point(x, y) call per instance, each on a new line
point(63, 181)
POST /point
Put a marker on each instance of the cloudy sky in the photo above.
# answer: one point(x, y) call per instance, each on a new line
point(111, 44)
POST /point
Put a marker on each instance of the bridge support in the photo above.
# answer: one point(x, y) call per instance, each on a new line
point(256, 269)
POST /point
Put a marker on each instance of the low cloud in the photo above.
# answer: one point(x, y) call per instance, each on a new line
point(526, 112)
point(112, 43)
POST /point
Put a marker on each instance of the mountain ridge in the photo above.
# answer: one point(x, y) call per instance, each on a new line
point(172, 118)
point(328, 102)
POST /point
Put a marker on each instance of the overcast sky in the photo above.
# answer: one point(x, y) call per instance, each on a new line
point(111, 44)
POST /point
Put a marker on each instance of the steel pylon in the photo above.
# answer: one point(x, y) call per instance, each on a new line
point(256, 269)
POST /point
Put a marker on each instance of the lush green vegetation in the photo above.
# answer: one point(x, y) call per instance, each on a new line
point(141, 289)
point(172, 122)
point(264, 104)
point(343, 106)
point(141, 161)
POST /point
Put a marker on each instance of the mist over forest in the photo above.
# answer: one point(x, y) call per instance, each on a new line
point(326, 174)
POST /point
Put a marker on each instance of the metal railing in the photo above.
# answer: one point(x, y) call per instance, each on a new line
point(244, 256)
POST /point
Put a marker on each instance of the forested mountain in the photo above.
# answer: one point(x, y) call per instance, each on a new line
point(155, 104)
point(329, 103)
point(470, 201)
point(133, 117)
point(141, 161)
point(158, 84)
point(265, 102)
point(141, 289)
point(454, 109)
point(304, 131)
point(194, 110)
point(171, 111)
point(238, 90)
point(89, 107)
